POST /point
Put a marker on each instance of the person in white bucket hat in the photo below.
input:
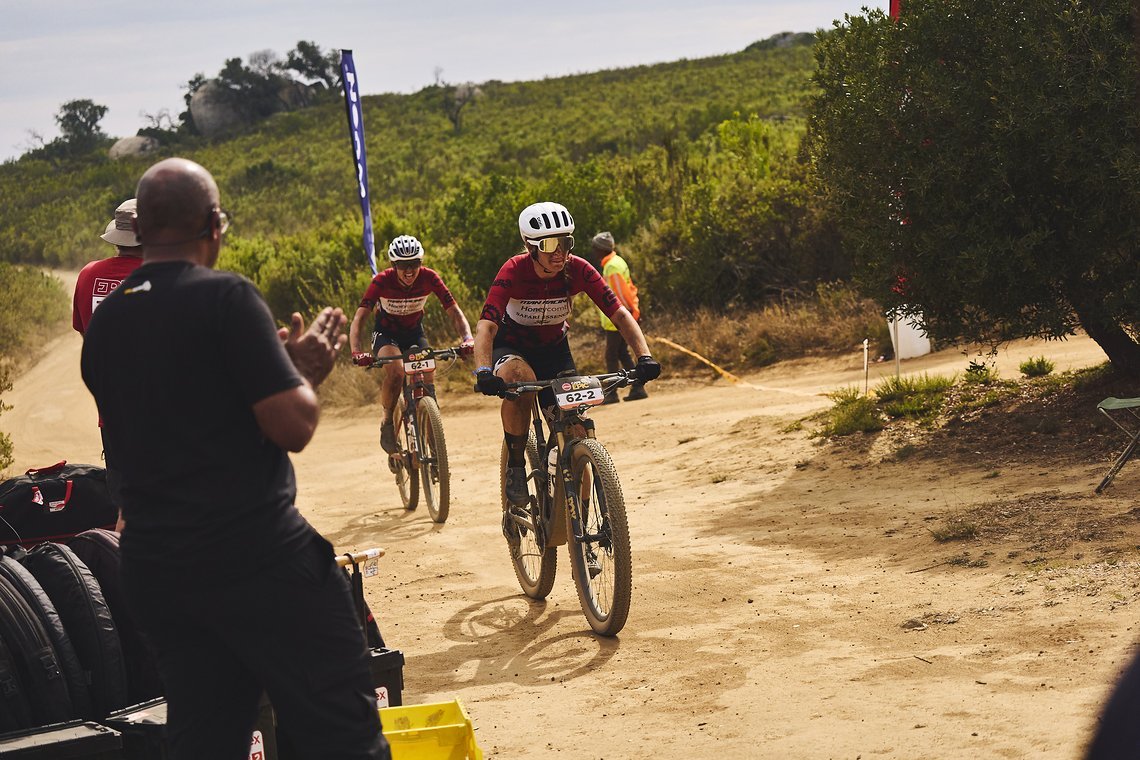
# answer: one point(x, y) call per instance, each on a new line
point(95, 282)
point(99, 278)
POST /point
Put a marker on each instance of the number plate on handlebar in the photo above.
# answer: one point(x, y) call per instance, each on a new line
point(572, 392)
point(420, 365)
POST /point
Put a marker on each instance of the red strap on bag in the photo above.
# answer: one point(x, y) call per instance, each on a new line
point(56, 506)
point(37, 471)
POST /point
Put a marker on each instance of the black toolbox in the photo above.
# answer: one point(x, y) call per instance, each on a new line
point(387, 676)
point(75, 740)
point(143, 728)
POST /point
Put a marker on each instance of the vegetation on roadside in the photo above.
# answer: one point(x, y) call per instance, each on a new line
point(920, 398)
point(945, 143)
point(852, 412)
point(955, 528)
point(34, 308)
point(1036, 366)
point(936, 402)
point(831, 320)
point(5, 440)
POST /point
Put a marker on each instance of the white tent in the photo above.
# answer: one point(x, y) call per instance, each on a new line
point(908, 338)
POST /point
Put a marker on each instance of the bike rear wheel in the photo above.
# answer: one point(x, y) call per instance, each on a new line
point(535, 563)
point(407, 478)
point(599, 545)
point(435, 479)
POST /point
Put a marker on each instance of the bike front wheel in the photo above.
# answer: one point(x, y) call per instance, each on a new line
point(407, 477)
point(534, 562)
point(435, 479)
point(599, 538)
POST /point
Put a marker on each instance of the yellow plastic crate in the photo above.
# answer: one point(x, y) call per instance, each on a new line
point(436, 731)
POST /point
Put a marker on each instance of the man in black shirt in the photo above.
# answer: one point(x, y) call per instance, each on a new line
point(201, 398)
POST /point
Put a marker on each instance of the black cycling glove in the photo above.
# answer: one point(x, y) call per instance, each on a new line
point(489, 384)
point(647, 368)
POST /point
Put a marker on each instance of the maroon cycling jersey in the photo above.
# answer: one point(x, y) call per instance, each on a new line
point(402, 309)
point(531, 311)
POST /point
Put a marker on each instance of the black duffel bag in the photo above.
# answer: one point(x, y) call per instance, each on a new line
point(54, 503)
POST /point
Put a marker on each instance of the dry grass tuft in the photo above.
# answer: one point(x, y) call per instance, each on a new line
point(834, 319)
point(348, 385)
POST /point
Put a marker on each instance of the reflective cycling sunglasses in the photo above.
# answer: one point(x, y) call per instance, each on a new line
point(565, 243)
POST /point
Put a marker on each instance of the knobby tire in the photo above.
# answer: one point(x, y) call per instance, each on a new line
point(435, 479)
point(535, 570)
point(407, 477)
point(604, 598)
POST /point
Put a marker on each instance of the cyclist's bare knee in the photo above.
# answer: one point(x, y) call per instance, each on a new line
point(515, 370)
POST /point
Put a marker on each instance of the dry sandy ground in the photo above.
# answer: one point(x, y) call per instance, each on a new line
point(789, 602)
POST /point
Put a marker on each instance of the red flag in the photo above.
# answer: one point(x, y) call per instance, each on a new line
point(896, 6)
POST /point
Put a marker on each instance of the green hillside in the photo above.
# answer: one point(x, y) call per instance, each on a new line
point(693, 165)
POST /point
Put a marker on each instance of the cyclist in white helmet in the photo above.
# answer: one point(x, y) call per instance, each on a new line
point(398, 295)
point(521, 333)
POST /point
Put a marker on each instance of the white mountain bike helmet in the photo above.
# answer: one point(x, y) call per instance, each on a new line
point(405, 248)
point(546, 219)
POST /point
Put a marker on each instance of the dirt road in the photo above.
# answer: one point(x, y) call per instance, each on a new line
point(789, 601)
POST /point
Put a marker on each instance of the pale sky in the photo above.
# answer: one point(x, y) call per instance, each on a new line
point(133, 57)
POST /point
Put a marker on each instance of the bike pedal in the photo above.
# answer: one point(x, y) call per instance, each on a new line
point(593, 567)
point(511, 531)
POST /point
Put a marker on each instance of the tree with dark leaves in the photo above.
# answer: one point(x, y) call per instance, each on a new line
point(983, 158)
point(78, 120)
point(310, 63)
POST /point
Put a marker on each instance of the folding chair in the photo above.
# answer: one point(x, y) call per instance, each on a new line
point(1129, 405)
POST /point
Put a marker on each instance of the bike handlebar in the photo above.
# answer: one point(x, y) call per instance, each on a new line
point(453, 352)
point(610, 381)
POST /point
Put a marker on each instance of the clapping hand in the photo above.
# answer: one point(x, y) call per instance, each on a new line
point(314, 350)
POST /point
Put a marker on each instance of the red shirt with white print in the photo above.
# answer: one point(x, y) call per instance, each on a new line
point(531, 311)
point(96, 281)
point(399, 308)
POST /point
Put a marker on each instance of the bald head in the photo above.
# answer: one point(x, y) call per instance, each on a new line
point(175, 200)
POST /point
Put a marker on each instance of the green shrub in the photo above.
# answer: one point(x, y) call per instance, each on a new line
point(981, 373)
point(916, 397)
point(1037, 366)
point(5, 441)
point(33, 306)
point(897, 388)
point(852, 413)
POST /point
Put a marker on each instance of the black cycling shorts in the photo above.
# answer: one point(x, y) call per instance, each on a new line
point(547, 361)
point(402, 340)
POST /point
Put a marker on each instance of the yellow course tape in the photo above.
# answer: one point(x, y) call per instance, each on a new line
point(724, 372)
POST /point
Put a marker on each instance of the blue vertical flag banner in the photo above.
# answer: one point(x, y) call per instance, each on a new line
point(356, 132)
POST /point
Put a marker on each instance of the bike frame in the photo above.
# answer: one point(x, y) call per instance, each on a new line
point(416, 386)
point(562, 423)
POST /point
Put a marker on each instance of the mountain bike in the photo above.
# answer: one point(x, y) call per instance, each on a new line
point(575, 499)
point(421, 462)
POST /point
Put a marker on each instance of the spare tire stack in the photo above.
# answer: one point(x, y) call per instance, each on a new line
point(77, 680)
point(67, 658)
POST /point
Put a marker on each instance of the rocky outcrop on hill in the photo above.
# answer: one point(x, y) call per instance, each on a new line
point(218, 111)
point(129, 147)
point(213, 111)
